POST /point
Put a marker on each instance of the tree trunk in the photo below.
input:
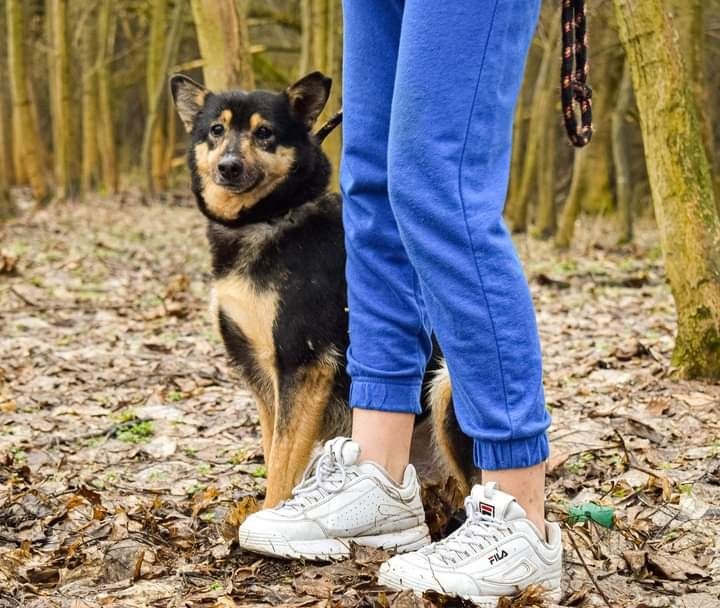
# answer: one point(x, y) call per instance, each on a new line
point(156, 46)
point(680, 182)
point(28, 138)
point(546, 222)
point(170, 129)
point(571, 209)
point(7, 208)
point(59, 65)
point(540, 106)
point(224, 48)
point(322, 50)
point(689, 18)
point(104, 123)
point(518, 155)
point(172, 44)
point(247, 76)
point(19, 171)
point(89, 152)
point(619, 125)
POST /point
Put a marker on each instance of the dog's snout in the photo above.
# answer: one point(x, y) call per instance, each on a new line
point(230, 168)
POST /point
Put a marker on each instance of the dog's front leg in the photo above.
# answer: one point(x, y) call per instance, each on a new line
point(298, 421)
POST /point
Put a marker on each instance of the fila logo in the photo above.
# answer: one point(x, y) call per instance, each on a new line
point(487, 509)
point(496, 557)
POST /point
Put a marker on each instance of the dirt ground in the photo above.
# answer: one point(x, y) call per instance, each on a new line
point(129, 451)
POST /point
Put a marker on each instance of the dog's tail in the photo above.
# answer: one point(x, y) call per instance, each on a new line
point(454, 447)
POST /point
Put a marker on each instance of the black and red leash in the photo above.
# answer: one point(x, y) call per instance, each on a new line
point(575, 67)
point(574, 74)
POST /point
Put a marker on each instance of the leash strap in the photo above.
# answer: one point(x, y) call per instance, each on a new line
point(573, 78)
point(574, 73)
point(329, 126)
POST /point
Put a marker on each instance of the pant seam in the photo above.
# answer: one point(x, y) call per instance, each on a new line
point(422, 361)
point(464, 212)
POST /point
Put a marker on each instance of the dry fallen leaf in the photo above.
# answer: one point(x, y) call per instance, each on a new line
point(239, 512)
point(673, 567)
point(8, 264)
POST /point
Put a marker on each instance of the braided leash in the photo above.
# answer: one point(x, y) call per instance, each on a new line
point(574, 73)
point(574, 76)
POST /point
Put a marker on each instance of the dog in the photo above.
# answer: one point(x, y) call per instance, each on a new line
point(276, 237)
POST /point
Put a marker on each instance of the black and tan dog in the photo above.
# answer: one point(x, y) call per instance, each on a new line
point(278, 257)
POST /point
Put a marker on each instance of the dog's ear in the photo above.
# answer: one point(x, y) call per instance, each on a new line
point(308, 97)
point(189, 97)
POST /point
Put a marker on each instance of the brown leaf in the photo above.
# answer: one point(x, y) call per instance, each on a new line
point(447, 601)
point(658, 407)
point(364, 555)
point(635, 561)
point(557, 459)
point(247, 505)
point(178, 284)
point(202, 500)
point(225, 602)
point(138, 565)
point(630, 349)
point(43, 575)
point(314, 587)
point(673, 567)
point(441, 501)
point(533, 596)
point(8, 264)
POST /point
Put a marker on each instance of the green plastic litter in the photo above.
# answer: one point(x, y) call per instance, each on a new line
point(600, 514)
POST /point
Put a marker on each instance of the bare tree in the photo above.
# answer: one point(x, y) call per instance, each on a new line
point(224, 45)
point(89, 151)
point(27, 140)
point(680, 180)
point(62, 122)
point(172, 43)
point(106, 136)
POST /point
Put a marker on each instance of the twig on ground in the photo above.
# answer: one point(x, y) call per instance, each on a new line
point(631, 463)
point(19, 295)
point(571, 536)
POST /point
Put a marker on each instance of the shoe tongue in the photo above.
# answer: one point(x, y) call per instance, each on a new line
point(345, 450)
point(491, 501)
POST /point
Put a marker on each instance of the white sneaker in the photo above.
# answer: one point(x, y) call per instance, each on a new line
point(340, 501)
point(496, 552)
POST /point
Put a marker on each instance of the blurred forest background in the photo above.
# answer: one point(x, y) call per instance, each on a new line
point(85, 105)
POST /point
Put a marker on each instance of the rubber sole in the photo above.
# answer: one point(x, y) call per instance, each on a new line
point(333, 549)
point(553, 593)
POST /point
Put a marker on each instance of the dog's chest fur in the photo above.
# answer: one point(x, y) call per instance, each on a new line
point(279, 293)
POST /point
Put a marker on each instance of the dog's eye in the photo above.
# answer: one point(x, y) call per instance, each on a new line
point(263, 133)
point(217, 129)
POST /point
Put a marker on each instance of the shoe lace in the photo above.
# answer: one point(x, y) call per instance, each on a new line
point(324, 476)
point(477, 533)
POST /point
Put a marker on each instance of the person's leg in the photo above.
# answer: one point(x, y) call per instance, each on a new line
point(527, 485)
point(460, 67)
point(389, 335)
point(459, 71)
point(384, 438)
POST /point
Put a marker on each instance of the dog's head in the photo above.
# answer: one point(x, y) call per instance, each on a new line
point(250, 150)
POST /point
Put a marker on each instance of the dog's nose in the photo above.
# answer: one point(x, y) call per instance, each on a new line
point(230, 168)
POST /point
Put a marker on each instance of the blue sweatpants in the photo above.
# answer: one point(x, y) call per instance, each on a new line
point(429, 89)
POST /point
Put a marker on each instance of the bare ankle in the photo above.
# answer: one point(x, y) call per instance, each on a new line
point(384, 438)
point(527, 486)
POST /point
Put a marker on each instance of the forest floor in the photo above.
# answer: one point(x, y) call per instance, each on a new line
point(129, 451)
